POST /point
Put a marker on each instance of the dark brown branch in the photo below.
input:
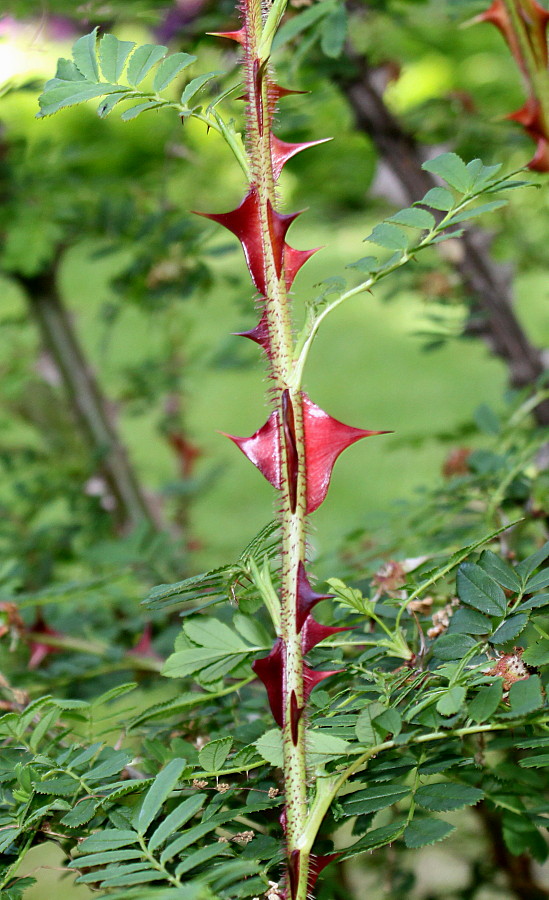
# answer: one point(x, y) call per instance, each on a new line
point(86, 399)
point(518, 869)
point(487, 282)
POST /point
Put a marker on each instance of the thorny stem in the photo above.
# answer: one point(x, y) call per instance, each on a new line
point(532, 56)
point(288, 402)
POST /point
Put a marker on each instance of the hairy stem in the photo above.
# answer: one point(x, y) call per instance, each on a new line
point(288, 404)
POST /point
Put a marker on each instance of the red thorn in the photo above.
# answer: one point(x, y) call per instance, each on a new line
point(244, 223)
point(278, 228)
point(40, 650)
point(290, 446)
point(144, 646)
point(325, 439)
point(296, 712)
point(263, 449)
point(270, 669)
point(535, 19)
point(317, 864)
point(238, 36)
point(530, 116)
point(293, 260)
point(306, 598)
point(313, 633)
point(281, 151)
point(259, 334)
point(277, 92)
point(293, 872)
point(540, 160)
point(311, 677)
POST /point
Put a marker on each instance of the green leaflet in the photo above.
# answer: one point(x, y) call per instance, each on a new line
point(158, 793)
point(445, 796)
point(377, 837)
point(173, 822)
point(170, 68)
point(537, 654)
point(213, 754)
point(211, 649)
point(509, 629)
point(375, 798)
point(478, 590)
point(451, 701)
point(453, 170)
point(415, 217)
point(194, 86)
point(142, 61)
point(113, 55)
point(85, 56)
point(439, 198)
point(199, 857)
point(526, 696)
point(500, 570)
point(422, 832)
point(486, 702)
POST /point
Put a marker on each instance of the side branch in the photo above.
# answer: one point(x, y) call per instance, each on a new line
point(486, 281)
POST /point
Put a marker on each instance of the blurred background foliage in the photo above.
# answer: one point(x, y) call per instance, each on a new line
point(100, 252)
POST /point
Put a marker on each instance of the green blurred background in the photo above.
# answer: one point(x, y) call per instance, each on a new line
point(81, 185)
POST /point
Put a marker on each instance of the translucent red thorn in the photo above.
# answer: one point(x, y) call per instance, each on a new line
point(270, 669)
point(311, 677)
point(281, 151)
point(535, 18)
point(263, 449)
point(277, 92)
point(244, 222)
point(238, 36)
point(313, 633)
point(317, 864)
point(294, 260)
point(306, 598)
point(294, 861)
point(531, 118)
point(325, 439)
point(540, 160)
point(259, 334)
point(279, 224)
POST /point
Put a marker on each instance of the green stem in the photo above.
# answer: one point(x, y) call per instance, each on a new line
point(329, 786)
point(288, 399)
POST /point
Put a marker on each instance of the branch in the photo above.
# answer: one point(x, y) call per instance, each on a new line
point(86, 399)
point(483, 278)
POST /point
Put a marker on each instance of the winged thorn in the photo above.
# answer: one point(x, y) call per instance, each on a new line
point(270, 669)
point(263, 449)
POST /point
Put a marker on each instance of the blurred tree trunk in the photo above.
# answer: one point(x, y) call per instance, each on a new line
point(87, 402)
point(518, 868)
